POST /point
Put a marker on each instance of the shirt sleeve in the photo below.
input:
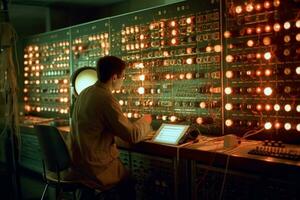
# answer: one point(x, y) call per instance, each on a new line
point(131, 132)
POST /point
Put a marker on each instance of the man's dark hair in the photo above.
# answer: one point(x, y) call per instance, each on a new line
point(107, 66)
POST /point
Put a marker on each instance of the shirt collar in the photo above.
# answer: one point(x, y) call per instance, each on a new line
point(102, 85)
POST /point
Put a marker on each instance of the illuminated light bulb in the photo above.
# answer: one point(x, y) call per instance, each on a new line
point(173, 118)
point(268, 107)
point(202, 105)
point(268, 125)
point(217, 48)
point(267, 55)
point(268, 91)
point(131, 30)
point(276, 3)
point(258, 55)
point(287, 126)
point(199, 120)
point(227, 34)
point(238, 9)
point(142, 77)
point(258, 107)
point(249, 72)
point(277, 125)
point(287, 38)
point(258, 30)
point(25, 90)
point(25, 98)
point(287, 25)
point(228, 122)
point(266, 41)
point(42, 67)
point(258, 90)
point(249, 7)
point(164, 117)
point(37, 74)
point(229, 58)
point(27, 108)
point(250, 43)
point(297, 23)
point(173, 23)
point(137, 46)
point(298, 127)
point(26, 82)
point(65, 81)
point(268, 28)
point(228, 90)
point(249, 31)
point(258, 73)
point(287, 71)
point(173, 41)
point(286, 52)
point(129, 115)
point(66, 99)
point(287, 107)
point(188, 20)
point(136, 115)
point(26, 68)
point(141, 90)
point(168, 76)
point(189, 76)
point(229, 74)
point(298, 108)
point(25, 74)
point(56, 81)
point(258, 7)
point(276, 107)
point(36, 48)
point(174, 32)
point(298, 37)
point(181, 76)
point(189, 61)
point(276, 27)
point(268, 72)
point(61, 99)
point(208, 49)
point(228, 106)
point(267, 4)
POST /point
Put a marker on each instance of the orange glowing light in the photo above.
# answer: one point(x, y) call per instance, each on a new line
point(258, 73)
point(277, 125)
point(259, 107)
point(173, 23)
point(298, 108)
point(268, 28)
point(267, 4)
point(276, 3)
point(258, 30)
point(217, 48)
point(227, 34)
point(199, 120)
point(188, 20)
point(174, 32)
point(268, 72)
point(202, 105)
point(268, 107)
point(208, 49)
point(173, 118)
point(250, 43)
point(258, 90)
point(276, 107)
point(189, 61)
point(173, 41)
point(298, 127)
point(249, 31)
point(298, 37)
point(189, 76)
point(142, 77)
point(276, 27)
point(249, 7)
point(258, 7)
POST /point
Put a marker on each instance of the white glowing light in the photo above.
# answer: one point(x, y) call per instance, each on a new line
point(287, 107)
point(268, 125)
point(228, 90)
point(268, 91)
point(287, 126)
point(228, 106)
point(228, 122)
point(141, 90)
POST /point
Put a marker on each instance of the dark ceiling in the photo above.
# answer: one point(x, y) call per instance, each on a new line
point(66, 2)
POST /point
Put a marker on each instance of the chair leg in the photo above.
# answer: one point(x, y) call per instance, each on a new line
point(44, 192)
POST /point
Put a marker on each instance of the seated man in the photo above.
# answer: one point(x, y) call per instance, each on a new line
point(97, 118)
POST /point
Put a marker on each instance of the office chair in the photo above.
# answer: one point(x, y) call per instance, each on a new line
point(56, 159)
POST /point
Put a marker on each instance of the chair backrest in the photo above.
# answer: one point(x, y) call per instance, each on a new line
point(53, 148)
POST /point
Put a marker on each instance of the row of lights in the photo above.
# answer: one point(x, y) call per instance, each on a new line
point(266, 91)
point(29, 108)
point(250, 7)
point(266, 107)
point(50, 91)
point(259, 72)
point(50, 81)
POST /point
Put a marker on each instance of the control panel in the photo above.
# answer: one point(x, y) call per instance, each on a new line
point(231, 67)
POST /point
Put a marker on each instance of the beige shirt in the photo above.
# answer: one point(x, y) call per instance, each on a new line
point(97, 118)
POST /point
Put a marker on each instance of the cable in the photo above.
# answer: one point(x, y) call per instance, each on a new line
point(224, 178)
point(252, 132)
